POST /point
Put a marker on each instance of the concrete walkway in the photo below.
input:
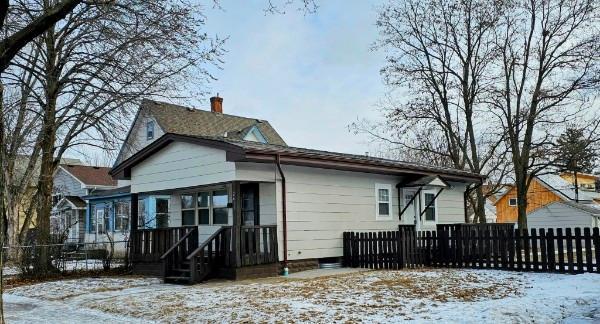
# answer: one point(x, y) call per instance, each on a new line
point(316, 273)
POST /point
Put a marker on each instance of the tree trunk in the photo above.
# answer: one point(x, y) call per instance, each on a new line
point(2, 174)
point(12, 221)
point(521, 184)
point(45, 183)
point(576, 186)
point(479, 207)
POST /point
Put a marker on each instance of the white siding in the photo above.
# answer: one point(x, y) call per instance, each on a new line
point(558, 215)
point(137, 139)
point(322, 204)
point(181, 165)
point(267, 208)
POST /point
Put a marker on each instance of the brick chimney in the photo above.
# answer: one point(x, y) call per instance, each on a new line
point(216, 104)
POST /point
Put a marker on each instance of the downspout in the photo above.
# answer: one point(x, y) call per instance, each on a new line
point(284, 213)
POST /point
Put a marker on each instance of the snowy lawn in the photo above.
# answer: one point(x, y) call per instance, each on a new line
point(452, 295)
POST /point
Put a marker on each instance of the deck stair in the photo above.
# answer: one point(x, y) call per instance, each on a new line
point(188, 262)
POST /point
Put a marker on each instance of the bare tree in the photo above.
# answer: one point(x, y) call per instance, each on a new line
point(441, 52)
point(548, 68)
point(96, 65)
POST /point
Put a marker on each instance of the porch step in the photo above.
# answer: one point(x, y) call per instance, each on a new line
point(178, 279)
point(182, 270)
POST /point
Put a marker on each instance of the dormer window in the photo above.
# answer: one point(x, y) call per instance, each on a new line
point(255, 135)
point(150, 130)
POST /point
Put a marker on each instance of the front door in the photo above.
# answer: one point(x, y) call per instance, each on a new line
point(162, 212)
point(250, 213)
point(411, 214)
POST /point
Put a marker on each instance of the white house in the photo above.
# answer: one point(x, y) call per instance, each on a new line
point(214, 170)
point(564, 214)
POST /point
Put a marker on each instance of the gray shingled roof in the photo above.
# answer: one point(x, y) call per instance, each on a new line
point(195, 122)
point(269, 148)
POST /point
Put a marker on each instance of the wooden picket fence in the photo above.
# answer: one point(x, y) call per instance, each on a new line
point(464, 246)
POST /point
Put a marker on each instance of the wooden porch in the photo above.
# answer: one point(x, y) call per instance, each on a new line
point(231, 252)
point(184, 254)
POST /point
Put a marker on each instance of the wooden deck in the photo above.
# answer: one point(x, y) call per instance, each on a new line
point(177, 255)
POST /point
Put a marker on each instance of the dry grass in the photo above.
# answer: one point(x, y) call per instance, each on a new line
point(376, 294)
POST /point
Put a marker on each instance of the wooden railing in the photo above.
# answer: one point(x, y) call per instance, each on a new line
point(184, 258)
point(258, 245)
point(175, 256)
point(214, 253)
point(148, 245)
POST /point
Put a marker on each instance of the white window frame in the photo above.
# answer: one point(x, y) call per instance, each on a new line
point(122, 213)
point(425, 220)
point(510, 200)
point(100, 215)
point(388, 187)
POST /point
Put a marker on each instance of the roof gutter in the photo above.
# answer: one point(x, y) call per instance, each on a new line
point(284, 210)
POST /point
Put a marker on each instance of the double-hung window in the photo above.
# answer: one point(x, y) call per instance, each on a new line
point(122, 216)
point(203, 208)
point(188, 212)
point(150, 130)
point(430, 204)
point(220, 212)
point(383, 200)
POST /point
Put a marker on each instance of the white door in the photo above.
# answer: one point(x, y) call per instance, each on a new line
point(410, 215)
point(72, 222)
point(99, 222)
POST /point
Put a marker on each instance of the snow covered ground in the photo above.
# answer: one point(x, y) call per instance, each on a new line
point(453, 295)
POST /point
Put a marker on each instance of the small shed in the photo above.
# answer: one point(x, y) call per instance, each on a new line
point(563, 214)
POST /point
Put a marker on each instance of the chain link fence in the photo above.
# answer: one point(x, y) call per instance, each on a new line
point(64, 258)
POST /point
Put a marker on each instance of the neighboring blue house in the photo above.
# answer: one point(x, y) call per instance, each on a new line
point(109, 211)
point(72, 182)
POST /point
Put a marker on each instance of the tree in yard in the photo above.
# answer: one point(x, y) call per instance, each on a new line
point(549, 54)
point(441, 53)
point(576, 152)
point(90, 71)
point(13, 40)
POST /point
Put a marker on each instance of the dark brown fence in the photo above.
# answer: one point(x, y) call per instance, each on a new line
point(497, 246)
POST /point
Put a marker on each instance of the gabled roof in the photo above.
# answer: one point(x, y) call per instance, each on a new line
point(560, 187)
point(181, 120)
point(564, 188)
point(73, 201)
point(90, 175)
point(244, 151)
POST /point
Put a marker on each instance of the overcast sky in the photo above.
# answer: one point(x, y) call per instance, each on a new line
point(309, 75)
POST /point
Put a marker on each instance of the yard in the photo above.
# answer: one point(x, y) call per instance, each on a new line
point(368, 296)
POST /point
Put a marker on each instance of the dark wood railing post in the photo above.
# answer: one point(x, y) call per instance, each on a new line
point(236, 234)
point(133, 224)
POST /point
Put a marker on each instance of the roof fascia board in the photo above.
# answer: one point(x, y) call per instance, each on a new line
point(352, 166)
